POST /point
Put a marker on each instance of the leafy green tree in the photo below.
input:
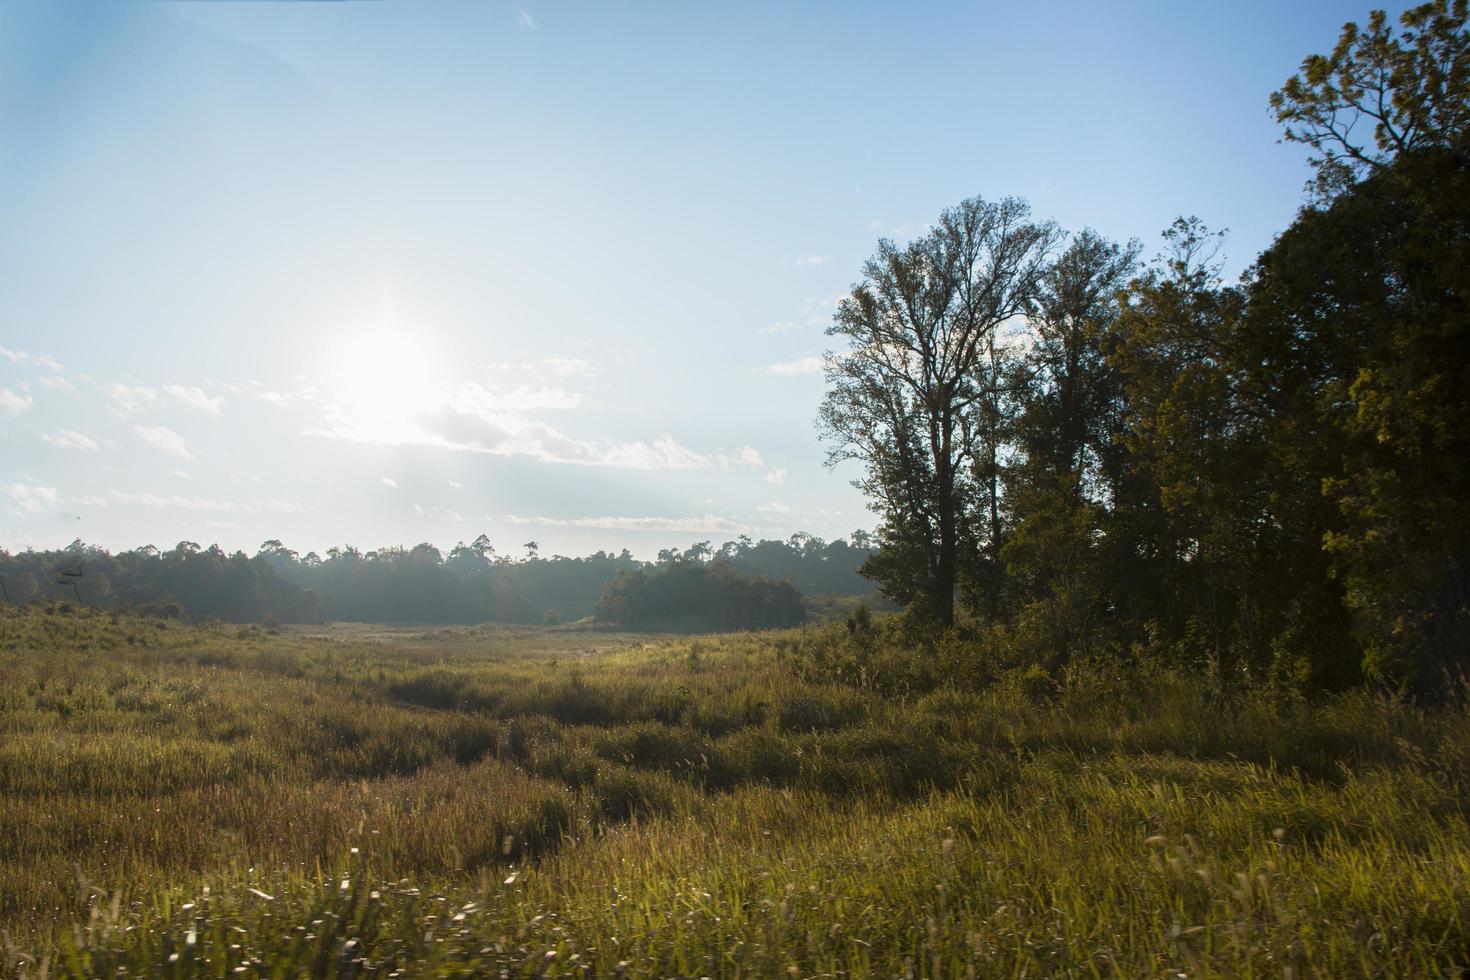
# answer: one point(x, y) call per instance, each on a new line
point(905, 392)
point(1359, 332)
point(1069, 397)
point(1377, 96)
point(1199, 509)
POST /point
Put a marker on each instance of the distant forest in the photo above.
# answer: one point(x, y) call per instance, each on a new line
point(472, 583)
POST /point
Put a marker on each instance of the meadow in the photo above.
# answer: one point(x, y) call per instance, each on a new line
point(181, 800)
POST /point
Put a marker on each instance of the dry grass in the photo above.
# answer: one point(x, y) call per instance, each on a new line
point(548, 802)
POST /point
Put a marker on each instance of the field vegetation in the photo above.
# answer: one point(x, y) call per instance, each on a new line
point(224, 800)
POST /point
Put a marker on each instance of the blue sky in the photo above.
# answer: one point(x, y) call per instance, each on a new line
point(411, 270)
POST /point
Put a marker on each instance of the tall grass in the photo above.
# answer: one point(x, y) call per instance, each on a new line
point(180, 800)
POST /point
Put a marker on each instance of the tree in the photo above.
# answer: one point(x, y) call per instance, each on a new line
point(1359, 331)
point(904, 394)
point(1358, 335)
point(1197, 506)
point(1413, 90)
point(1069, 417)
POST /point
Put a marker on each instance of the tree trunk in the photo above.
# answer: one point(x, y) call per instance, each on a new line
point(946, 571)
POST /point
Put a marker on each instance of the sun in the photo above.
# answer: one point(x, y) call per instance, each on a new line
point(385, 379)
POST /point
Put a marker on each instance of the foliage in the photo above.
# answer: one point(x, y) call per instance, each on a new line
point(914, 394)
point(695, 596)
point(470, 584)
point(1263, 481)
point(1412, 90)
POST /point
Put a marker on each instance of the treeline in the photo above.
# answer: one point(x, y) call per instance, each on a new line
point(1083, 455)
point(472, 583)
point(684, 595)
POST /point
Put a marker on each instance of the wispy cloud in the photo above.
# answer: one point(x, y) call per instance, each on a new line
point(800, 366)
point(456, 485)
point(776, 476)
point(900, 230)
point(13, 403)
point(571, 367)
point(784, 326)
point(177, 501)
point(133, 398)
point(525, 21)
point(774, 507)
point(467, 422)
point(194, 397)
point(812, 261)
point(475, 397)
point(699, 524)
point(388, 481)
point(67, 439)
point(164, 439)
point(22, 357)
point(32, 499)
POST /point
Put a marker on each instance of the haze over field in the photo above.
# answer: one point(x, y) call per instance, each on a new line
point(389, 273)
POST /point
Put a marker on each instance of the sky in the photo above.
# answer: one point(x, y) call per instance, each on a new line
point(416, 270)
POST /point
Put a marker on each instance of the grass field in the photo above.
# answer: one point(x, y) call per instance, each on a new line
point(179, 800)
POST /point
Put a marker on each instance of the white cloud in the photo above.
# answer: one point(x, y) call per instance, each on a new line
point(177, 501)
point(31, 499)
point(285, 506)
point(89, 500)
point(904, 229)
point(67, 439)
point(525, 21)
point(470, 424)
point(701, 524)
point(181, 474)
point(418, 509)
point(800, 366)
point(194, 397)
point(388, 481)
point(454, 515)
point(570, 367)
point(21, 357)
point(812, 261)
point(164, 439)
point(774, 507)
point(785, 326)
point(776, 476)
point(56, 383)
point(473, 397)
point(133, 398)
point(456, 485)
point(750, 456)
point(11, 402)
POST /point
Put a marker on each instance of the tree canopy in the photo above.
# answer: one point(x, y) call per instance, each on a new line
point(1268, 479)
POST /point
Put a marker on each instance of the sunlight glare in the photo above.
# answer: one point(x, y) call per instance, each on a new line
point(385, 379)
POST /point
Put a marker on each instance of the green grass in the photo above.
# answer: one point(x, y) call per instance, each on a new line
point(180, 800)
